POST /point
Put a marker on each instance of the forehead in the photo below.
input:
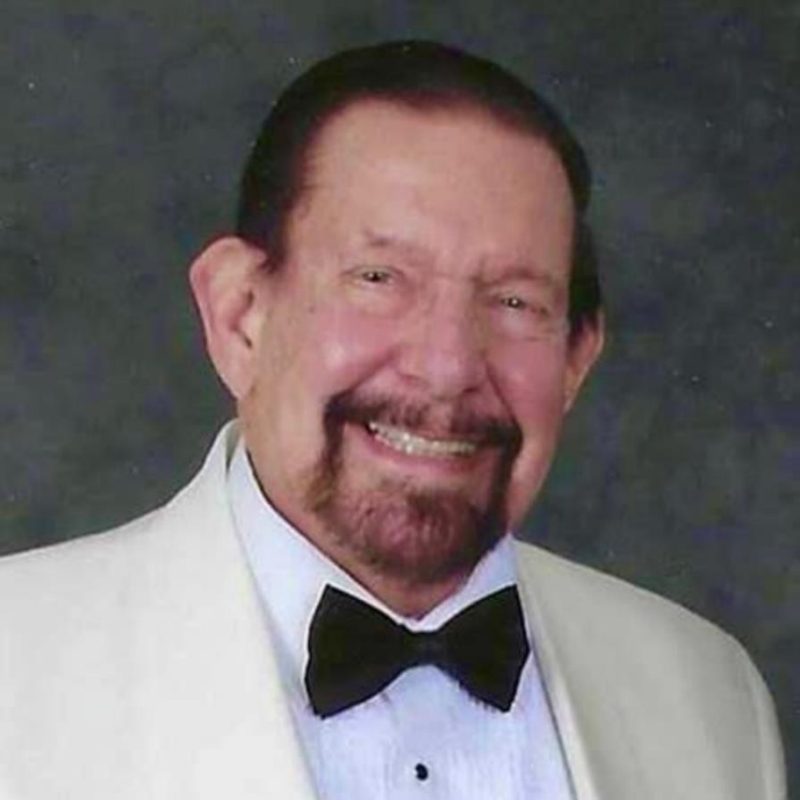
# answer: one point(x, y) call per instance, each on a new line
point(455, 181)
point(376, 133)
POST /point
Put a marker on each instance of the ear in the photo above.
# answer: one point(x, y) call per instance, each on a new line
point(225, 279)
point(584, 349)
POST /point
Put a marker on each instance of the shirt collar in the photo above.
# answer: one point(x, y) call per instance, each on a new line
point(291, 573)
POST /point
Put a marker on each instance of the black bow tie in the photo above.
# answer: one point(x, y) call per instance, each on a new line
point(355, 651)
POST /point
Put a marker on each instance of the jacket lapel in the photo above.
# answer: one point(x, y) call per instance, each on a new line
point(600, 765)
point(212, 706)
point(649, 701)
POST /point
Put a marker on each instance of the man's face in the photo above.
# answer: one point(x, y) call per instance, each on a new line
point(413, 363)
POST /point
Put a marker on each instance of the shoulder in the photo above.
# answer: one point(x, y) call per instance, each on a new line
point(88, 551)
point(591, 597)
point(54, 597)
point(655, 660)
point(640, 638)
point(100, 567)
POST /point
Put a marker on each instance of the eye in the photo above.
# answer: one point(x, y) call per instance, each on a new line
point(375, 275)
point(525, 315)
point(378, 290)
point(514, 301)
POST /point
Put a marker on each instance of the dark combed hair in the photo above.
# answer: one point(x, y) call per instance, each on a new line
point(420, 75)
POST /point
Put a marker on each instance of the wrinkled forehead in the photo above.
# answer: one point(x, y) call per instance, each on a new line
point(377, 128)
point(377, 145)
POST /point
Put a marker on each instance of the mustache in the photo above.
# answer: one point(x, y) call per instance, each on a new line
point(463, 423)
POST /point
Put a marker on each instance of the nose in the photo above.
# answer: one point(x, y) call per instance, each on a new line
point(442, 349)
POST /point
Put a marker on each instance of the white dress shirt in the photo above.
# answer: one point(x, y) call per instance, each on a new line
point(423, 736)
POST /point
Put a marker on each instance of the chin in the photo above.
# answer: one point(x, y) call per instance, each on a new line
point(401, 530)
point(411, 535)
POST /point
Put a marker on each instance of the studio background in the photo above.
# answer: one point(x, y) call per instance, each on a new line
point(124, 126)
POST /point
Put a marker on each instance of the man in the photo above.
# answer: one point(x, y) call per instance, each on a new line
point(333, 607)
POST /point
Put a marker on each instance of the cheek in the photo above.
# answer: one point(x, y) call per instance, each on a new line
point(307, 354)
point(533, 385)
point(343, 350)
point(306, 359)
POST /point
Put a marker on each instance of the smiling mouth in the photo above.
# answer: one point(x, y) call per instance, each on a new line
point(413, 444)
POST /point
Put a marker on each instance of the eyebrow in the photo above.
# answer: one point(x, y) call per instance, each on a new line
point(381, 241)
point(523, 272)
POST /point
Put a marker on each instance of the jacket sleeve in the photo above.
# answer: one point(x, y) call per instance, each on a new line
point(773, 768)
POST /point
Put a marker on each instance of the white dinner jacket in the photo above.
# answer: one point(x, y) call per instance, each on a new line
point(134, 665)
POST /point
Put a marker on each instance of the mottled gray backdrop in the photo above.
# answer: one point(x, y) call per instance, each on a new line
point(123, 126)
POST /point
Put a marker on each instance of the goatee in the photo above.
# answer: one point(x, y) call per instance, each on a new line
point(399, 530)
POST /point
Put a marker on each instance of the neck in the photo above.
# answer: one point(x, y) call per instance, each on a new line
point(406, 596)
point(409, 598)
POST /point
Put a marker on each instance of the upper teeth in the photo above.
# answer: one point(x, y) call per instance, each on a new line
point(414, 445)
